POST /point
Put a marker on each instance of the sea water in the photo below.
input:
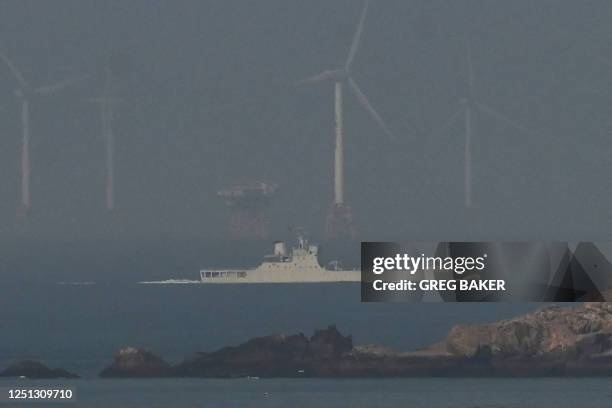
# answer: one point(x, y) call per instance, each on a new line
point(413, 393)
point(79, 327)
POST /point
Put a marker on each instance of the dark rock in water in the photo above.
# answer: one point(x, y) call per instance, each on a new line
point(135, 362)
point(34, 369)
point(553, 341)
point(329, 343)
point(271, 356)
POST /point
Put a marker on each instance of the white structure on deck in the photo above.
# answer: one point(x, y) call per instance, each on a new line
point(300, 266)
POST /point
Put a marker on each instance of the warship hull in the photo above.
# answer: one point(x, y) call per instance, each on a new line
point(300, 266)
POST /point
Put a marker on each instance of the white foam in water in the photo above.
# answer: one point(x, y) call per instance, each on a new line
point(170, 281)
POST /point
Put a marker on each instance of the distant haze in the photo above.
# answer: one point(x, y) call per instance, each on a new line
point(210, 102)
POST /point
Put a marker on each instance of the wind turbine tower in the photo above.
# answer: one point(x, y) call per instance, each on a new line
point(340, 224)
point(107, 103)
point(468, 105)
point(25, 93)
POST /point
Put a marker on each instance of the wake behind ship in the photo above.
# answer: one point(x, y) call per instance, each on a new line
point(301, 265)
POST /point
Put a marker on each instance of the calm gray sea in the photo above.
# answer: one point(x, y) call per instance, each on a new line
point(413, 393)
point(79, 327)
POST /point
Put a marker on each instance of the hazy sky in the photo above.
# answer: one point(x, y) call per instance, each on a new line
point(210, 102)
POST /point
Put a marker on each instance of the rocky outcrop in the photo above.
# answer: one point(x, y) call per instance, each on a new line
point(552, 332)
point(552, 341)
point(271, 356)
point(329, 343)
point(35, 370)
point(135, 362)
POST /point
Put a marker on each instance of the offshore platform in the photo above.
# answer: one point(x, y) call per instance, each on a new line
point(248, 205)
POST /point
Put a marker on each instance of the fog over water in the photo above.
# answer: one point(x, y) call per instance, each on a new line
point(210, 102)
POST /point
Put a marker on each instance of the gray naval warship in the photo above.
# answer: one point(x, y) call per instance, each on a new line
point(299, 265)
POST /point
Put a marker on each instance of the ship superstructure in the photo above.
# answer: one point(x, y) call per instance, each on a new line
point(300, 265)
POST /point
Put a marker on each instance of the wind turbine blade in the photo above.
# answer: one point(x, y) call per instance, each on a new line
point(503, 118)
point(323, 76)
point(447, 125)
point(366, 104)
point(357, 36)
point(16, 73)
point(58, 86)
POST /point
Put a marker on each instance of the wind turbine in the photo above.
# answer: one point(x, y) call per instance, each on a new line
point(340, 217)
point(24, 93)
point(469, 104)
point(107, 103)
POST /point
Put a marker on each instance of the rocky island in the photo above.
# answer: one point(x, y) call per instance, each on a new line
point(133, 362)
point(35, 370)
point(553, 341)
